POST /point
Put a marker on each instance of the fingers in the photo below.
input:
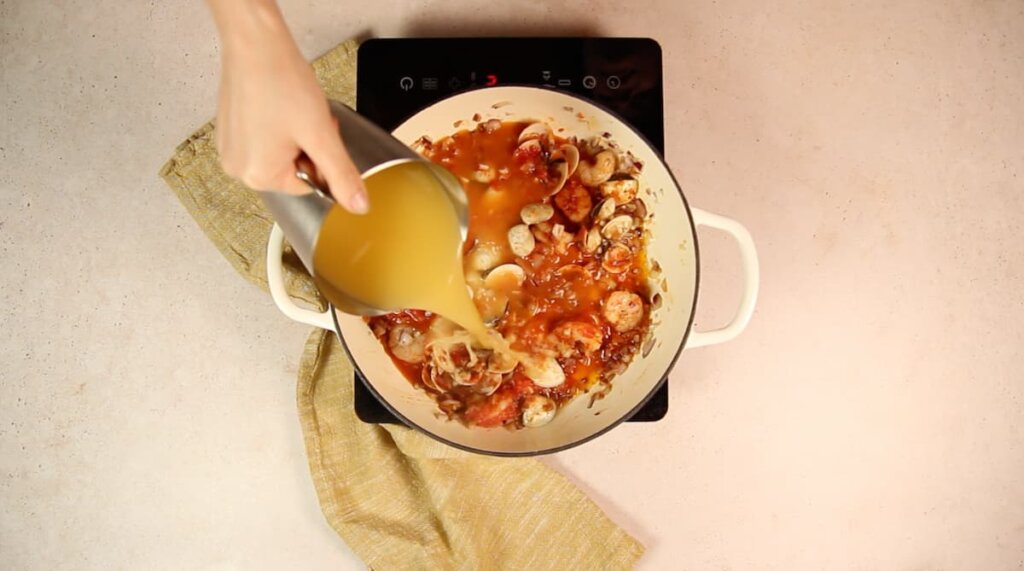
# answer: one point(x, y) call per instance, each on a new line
point(274, 171)
point(325, 148)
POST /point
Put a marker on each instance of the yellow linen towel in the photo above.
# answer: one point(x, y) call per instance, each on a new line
point(399, 499)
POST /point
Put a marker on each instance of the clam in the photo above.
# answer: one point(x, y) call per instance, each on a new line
point(538, 410)
point(616, 259)
point(605, 210)
point(570, 155)
point(561, 170)
point(501, 362)
point(484, 256)
point(529, 147)
point(536, 213)
point(533, 131)
point(488, 384)
point(505, 278)
point(521, 240)
point(617, 227)
point(593, 240)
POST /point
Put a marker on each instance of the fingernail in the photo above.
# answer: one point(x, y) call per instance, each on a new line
point(358, 203)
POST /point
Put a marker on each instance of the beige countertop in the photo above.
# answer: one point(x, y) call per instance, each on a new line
point(871, 417)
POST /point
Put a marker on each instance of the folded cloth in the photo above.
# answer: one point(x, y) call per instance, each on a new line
point(399, 499)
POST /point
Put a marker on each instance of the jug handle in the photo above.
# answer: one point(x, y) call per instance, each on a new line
point(306, 171)
point(275, 281)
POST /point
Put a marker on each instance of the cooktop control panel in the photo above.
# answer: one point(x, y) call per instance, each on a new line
point(398, 77)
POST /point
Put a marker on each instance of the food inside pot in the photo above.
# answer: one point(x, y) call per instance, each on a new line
point(556, 263)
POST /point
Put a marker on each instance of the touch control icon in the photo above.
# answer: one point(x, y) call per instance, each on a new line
point(589, 82)
point(405, 83)
point(613, 82)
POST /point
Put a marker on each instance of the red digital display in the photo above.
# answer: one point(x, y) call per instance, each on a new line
point(491, 80)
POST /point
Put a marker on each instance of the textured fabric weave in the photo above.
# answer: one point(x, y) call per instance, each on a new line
point(399, 499)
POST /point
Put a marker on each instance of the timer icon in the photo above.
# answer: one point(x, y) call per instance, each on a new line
point(589, 82)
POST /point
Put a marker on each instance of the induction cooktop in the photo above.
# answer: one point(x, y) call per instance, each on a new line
point(397, 77)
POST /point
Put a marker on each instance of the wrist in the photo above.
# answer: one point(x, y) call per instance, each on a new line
point(243, 24)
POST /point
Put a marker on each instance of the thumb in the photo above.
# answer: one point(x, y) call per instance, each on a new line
point(334, 165)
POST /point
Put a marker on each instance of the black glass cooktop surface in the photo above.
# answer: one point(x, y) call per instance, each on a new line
point(398, 77)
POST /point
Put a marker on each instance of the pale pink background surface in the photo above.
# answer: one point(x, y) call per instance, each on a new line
point(871, 417)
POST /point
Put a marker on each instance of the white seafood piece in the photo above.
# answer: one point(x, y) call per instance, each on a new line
point(579, 335)
point(600, 171)
point(538, 410)
point(505, 278)
point(492, 125)
point(484, 173)
point(536, 213)
point(562, 238)
point(622, 191)
point(623, 310)
point(534, 131)
point(593, 240)
point(605, 210)
point(617, 227)
point(545, 372)
point(484, 256)
point(575, 202)
point(407, 344)
point(521, 240)
point(616, 259)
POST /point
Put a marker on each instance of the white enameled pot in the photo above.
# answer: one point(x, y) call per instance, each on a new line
point(673, 245)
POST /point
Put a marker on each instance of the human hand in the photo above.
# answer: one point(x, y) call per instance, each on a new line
point(271, 108)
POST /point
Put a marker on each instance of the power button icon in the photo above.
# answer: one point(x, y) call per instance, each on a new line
point(405, 83)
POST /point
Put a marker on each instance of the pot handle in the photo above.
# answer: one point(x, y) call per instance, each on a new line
point(751, 280)
point(275, 279)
